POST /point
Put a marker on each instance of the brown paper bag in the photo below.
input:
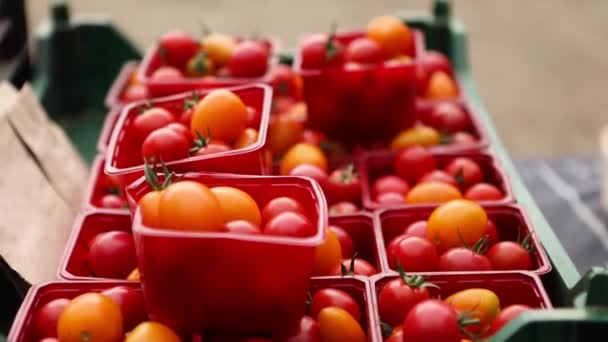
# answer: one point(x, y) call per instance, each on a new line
point(42, 186)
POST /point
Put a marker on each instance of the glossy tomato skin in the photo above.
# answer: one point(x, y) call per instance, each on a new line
point(390, 198)
point(463, 138)
point(131, 304)
point(466, 168)
point(492, 233)
point(179, 47)
point(93, 315)
point(249, 59)
point(112, 201)
point(152, 331)
point(365, 51)
point(361, 267)
point(312, 171)
point(505, 316)
point(449, 117)
point(333, 297)
point(45, 320)
point(456, 221)
point(414, 254)
point(509, 255)
point(112, 255)
point(389, 183)
point(149, 121)
point(167, 73)
point(242, 227)
point(413, 162)
point(314, 52)
point(220, 114)
point(439, 176)
point(343, 185)
point(280, 205)
point(396, 336)
point(336, 324)
point(215, 146)
point(289, 224)
point(417, 228)
point(397, 298)
point(164, 144)
point(254, 118)
point(479, 303)
point(343, 208)
point(432, 192)
point(431, 321)
point(237, 204)
point(181, 130)
point(306, 331)
point(188, 205)
point(302, 153)
point(483, 192)
point(462, 259)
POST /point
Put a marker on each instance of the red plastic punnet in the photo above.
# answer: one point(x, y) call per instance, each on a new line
point(100, 184)
point(195, 280)
point(116, 94)
point(362, 104)
point(152, 61)
point(510, 221)
point(373, 165)
point(124, 159)
point(86, 227)
point(106, 130)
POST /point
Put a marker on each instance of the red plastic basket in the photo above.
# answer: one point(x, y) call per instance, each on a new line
point(364, 104)
point(152, 61)
point(97, 186)
point(124, 158)
point(379, 163)
point(86, 227)
point(510, 221)
point(106, 130)
point(114, 97)
point(196, 280)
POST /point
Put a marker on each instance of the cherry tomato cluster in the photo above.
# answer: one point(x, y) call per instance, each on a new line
point(458, 236)
point(434, 78)
point(410, 312)
point(216, 55)
point(113, 315)
point(418, 180)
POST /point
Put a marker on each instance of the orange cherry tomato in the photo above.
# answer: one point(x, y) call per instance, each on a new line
point(248, 137)
point(328, 255)
point(303, 153)
point(455, 223)
point(284, 131)
point(391, 33)
point(221, 113)
point(148, 205)
point(188, 205)
point(482, 304)
point(90, 317)
point(441, 86)
point(134, 275)
point(417, 135)
point(432, 192)
point(237, 205)
point(219, 47)
point(152, 331)
point(337, 324)
point(200, 65)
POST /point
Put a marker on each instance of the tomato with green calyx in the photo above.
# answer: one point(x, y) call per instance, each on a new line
point(91, 317)
point(457, 223)
point(150, 119)
point(248, 59)
point(176, 47)
point(510, 255)
point(165, 144)
point(477, 303)
point(343, 185)
point(355, 266)
point(466, 172)
point(413, 254)
point(466, 259)
point(321, 50)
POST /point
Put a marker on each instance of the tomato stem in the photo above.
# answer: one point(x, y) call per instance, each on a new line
point(330, 47)
point(351, 269)
point(415, 281)
point(459, 177)
point(201, 142)
point(387, 329)
point(445, 138)
point(192, 101)
point(347, 175)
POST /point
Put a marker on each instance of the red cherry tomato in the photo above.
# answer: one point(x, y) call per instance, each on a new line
point(149, 121)
point(312, 171)
point(249, 59)
point(285, 82)
point(178, 47)
point(483, 192)
point(343, 208)
point(289, 224)
point(462, 138)
point(346, 242)
point(505, 316)
point(390, 198)
point(389, 183)
point(334, 297)
point(467, 170)
point(131, 304)
point(306, 331)
point(215, 146)
point(413, 162)
point(414, 254)
point(112, 255)
point(439, 176)
point(166, 74)
point(316, 53)
point(431, 61)
point(181, 130)
point(112, 201)
point(164, 144)
point(462, 259)
point(254, 117)
point(360, 267)
point(449, 117)
point(343, 185)
point(134, 93)
point(185, 117)
point(242, 227)
point(398, 297)
point(281, 205)
point(364, 51)
point(492, 233)
point(417, 228)
point(509, 255)
point(45, 321)
point(431, 321)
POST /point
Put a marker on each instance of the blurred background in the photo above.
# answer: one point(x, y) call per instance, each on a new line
point(539, 65)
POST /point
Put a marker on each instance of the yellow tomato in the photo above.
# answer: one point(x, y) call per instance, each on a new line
point(418, 135)
point(303, 153)
point(237, 205)
point(221, 113)
point(328, 255)
point(152, 331)
point(200, 65)
point(337, 325)
point(482, 304)
point(455, 223)
point(247, 138)
point(134, 275)
point(441, 86)
point(432, 192)
point(90, 317)
point(391, 33)
point(219, 47)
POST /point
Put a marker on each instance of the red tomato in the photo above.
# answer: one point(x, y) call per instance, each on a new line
point(356, 267)
point(505, 316)
point(181, 130)
point(414, 254)
point(149, 121)
point(316, 53)
point(45, 321)
point(390, 198)
point(254, 117)
point(178, 48)
point(396, 336)
point(289, 224)
point(439, 176)
point(284, 81)
point(346, 242)
point(413, 162)
point(463, 259)
point(215, 146)
point(398, 297)
point(166, 74)
point(483, 192)
point(185, 117)
point(334, 297)
point(134, 93)
point(343, 208)
point(389, 183)
point(164, 144)
point(509, 255)
point(306, 331)
point(462, 138)
point(431, 321)
point(417, 228)
point(492, 233)
point(281, 205)
point(431, 61)
point(131, 304)
point(449, 117)
point(249, 59)
point(112, 255)
point(242, 227)
point(312, 171)
point(466, 171)
point(344, 185)
point(112, 201)
point(364, 51)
